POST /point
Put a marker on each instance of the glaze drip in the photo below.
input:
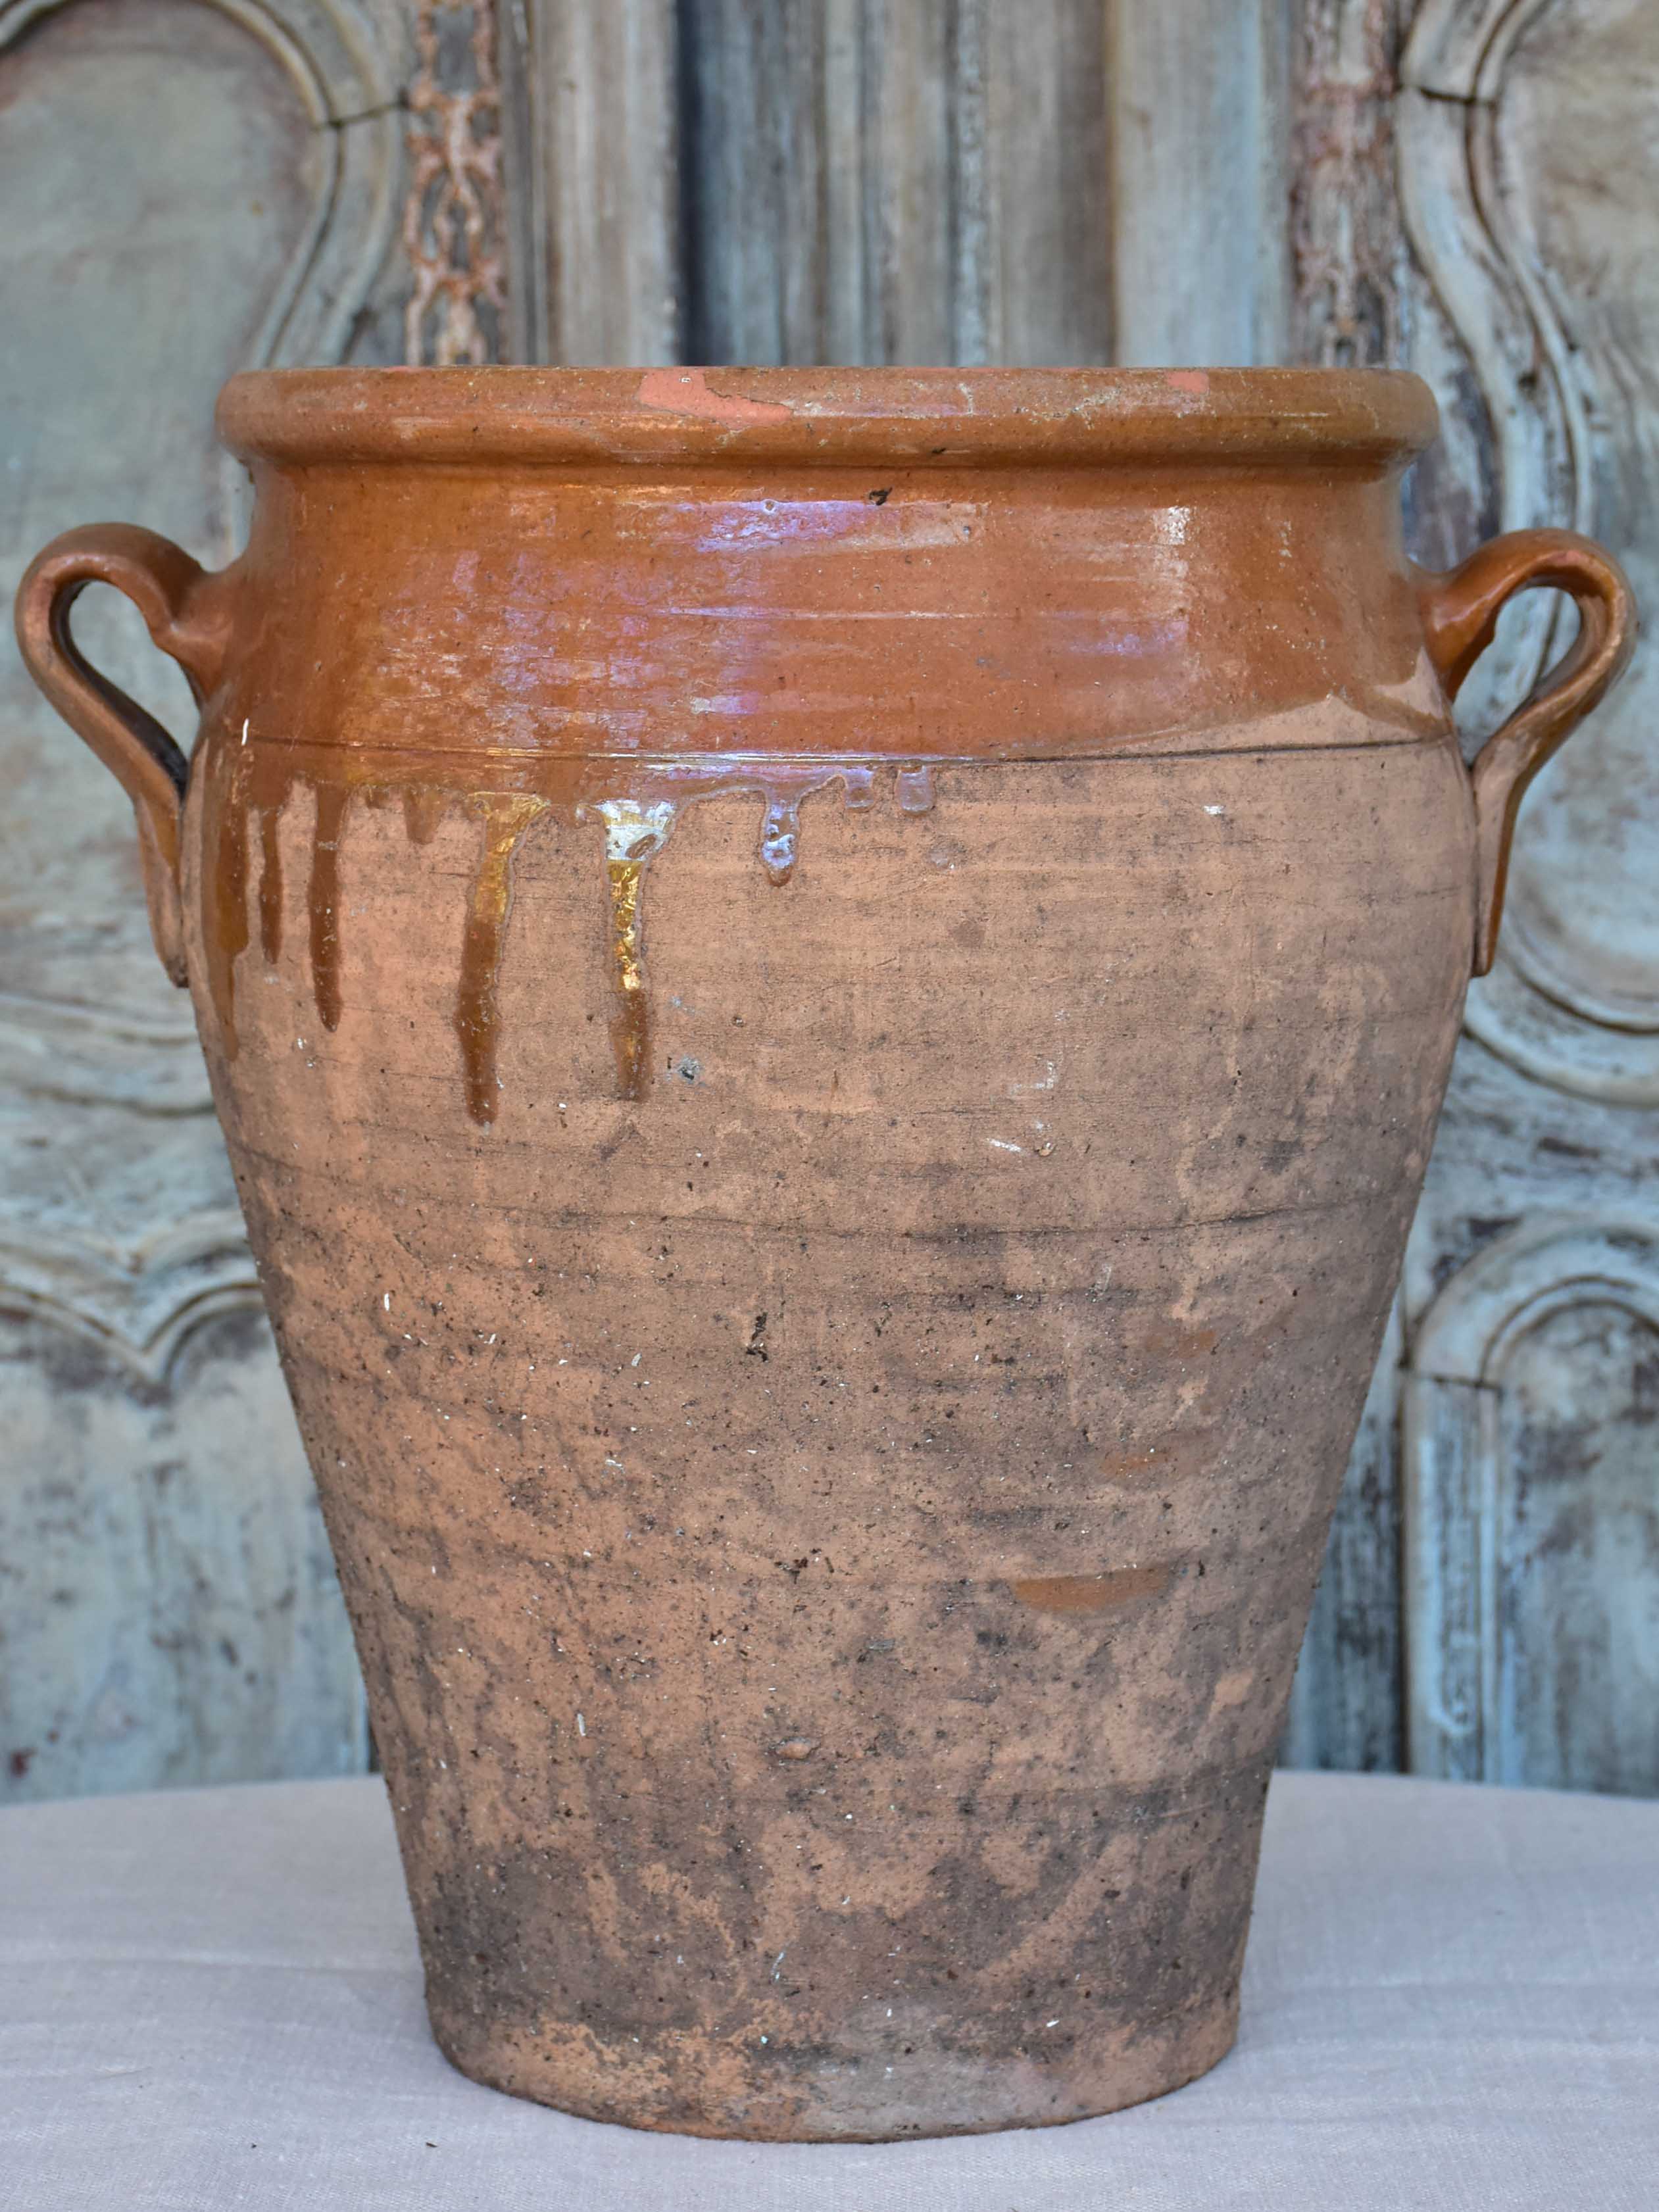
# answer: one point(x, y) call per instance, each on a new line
point(246, 780)
point(332, 800)
point(423, 810)
point(633, 833)
point(271, 886)
point(483, 940)
point(915, 790)
point(225, 922)
point(779, 840)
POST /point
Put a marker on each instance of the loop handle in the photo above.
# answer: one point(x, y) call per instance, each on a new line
point(1460, 616)
point(186, 620)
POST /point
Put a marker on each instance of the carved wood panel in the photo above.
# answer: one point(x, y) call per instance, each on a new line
point(209, 186)
point(1503, 228)
point(1532, 1512)
point(1464, 185)
point(169, 1610)
point(1530, 173)
point(1529, 169)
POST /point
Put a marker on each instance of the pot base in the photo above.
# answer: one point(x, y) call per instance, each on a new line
point(687, 2086)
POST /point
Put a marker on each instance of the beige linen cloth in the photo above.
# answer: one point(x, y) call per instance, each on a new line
point(210, 2000)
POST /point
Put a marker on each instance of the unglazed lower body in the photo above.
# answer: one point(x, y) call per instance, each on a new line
point(829, 1471)
point(911, 2073)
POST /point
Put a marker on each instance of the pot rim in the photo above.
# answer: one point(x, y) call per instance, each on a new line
point(922, 417)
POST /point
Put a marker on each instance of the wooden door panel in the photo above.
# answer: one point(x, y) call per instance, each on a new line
point(592, 146)
point(168, 1609)
point(197, 200)
point(1530, 168)
point(138, 286)
point(824, 181)
point(1466, 185)
point(1495, 225)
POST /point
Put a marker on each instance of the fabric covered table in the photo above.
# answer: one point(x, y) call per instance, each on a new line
point(210, 1999)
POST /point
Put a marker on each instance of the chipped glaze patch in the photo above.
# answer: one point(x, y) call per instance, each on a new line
point(686, 391)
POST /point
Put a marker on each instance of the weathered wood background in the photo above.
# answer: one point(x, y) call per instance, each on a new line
point(1468, 187)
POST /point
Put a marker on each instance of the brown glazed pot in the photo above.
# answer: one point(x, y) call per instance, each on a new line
point(829, 992)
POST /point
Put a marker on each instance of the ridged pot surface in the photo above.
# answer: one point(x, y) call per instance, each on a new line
point(828, 994)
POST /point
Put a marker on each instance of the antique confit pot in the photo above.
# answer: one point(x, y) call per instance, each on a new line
point(829, 992)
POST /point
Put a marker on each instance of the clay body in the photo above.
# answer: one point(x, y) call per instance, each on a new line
point(829, 992)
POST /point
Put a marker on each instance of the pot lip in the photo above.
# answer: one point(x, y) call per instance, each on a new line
point(939, 418)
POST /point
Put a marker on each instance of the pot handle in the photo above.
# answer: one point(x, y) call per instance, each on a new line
point(183, 619)
point(1460, 614)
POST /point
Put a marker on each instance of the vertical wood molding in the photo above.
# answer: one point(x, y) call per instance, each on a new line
point(454, 214)
point(1450, 1457)
point(1048, 284)
point(594, 100)
point(1349, 259)
point(808, 180)
point(1200, 106)
point(894, 180)
point(1343, 304)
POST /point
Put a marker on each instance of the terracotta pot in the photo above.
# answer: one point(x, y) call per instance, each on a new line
point(828, 993)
